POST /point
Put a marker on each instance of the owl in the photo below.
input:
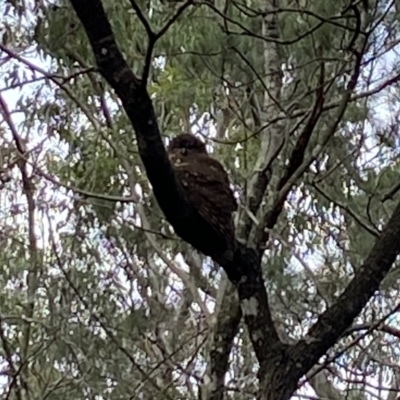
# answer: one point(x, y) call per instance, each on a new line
point(206, 185)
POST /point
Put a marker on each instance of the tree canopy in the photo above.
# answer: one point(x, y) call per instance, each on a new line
point(111, 287)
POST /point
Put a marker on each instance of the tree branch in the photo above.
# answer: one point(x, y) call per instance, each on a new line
point(142, 19)
point(226, 328)
point(243, 267)
point(334, 321)
point(137, 104)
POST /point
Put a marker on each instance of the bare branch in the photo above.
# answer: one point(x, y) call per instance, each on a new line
point(169, 23)
point(335, 320)
point(142, 19)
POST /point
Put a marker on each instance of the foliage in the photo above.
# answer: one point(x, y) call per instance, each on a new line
point(99, 297)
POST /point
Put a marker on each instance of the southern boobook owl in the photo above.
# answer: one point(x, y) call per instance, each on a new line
point(206, 184)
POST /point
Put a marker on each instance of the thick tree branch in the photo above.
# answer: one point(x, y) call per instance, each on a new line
point(226, 328)
point(243, 267)
point(334, 321)
point(137, 104)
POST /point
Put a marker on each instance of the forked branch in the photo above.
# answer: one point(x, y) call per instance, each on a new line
point(244, 266)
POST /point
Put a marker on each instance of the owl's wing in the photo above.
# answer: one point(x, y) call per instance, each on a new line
point(217, 178)
point(206, 184)
point(207, 178)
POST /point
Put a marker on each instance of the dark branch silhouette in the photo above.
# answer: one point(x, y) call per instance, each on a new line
point(334, 321)
point(244, 266)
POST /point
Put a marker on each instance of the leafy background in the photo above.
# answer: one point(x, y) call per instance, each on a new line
point(99, 298)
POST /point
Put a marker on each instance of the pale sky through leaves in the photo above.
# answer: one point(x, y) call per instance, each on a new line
point(125, 266)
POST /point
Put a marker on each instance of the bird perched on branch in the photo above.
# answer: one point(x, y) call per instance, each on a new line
point(206, 184)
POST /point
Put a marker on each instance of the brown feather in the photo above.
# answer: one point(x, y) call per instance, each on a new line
point(205, 182)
